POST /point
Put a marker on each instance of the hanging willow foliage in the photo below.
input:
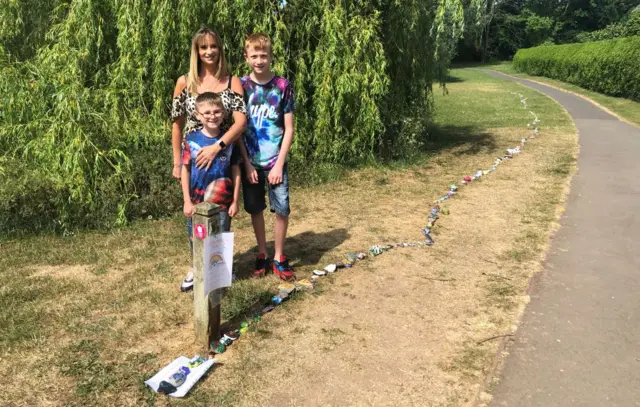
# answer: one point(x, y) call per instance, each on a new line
point(86, 86)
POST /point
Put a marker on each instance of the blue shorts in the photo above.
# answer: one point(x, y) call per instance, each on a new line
point(225, 226)
point(254, 196)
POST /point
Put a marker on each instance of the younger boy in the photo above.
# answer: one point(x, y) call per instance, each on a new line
point(220, 184)
point(267, 140)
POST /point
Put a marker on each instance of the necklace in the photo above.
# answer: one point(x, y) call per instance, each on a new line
point(211, 87)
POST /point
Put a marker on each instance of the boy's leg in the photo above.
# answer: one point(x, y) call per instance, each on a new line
point(257, 220)
point(187, 283)
point(255, 204)
point(225, 222)
point(279, 203)
point(190, 235)
point(282, 223)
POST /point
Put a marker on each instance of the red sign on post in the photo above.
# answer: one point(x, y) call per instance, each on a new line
point(200, 231)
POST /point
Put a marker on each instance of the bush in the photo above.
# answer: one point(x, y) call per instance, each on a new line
point(629, 27)
point(31, 200)
point(609, 67)
point(84, 98)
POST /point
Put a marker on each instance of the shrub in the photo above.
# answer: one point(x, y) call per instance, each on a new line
point(84, 98)
point(609, 67)
point(628, 27)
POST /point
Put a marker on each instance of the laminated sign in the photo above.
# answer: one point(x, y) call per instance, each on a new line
point(218, 261)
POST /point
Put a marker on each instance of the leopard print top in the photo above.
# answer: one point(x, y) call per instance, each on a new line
point(185, 105)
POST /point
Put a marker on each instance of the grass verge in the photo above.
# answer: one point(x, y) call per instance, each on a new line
point(89, 317)
point(626, 109)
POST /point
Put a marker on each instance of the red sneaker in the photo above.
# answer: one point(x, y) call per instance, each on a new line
point(283, 270)
point(261, 266)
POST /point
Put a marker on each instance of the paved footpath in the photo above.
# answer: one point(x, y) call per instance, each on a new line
point(579, 341)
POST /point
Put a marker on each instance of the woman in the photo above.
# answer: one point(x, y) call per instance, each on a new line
point(208, 72)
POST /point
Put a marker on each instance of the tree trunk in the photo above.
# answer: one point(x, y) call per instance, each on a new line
point(485, 46)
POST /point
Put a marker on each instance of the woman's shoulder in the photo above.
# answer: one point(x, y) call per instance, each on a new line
point(181, 85)
point(234, 86)
point(235, 80)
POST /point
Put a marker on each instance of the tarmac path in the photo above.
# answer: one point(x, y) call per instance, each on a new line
point(579, 340)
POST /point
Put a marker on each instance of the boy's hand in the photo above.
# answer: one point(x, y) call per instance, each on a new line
point(206, 155)
point(176, 171)
point(233, 209)
point(252, 174)
point(275, 175)
point(188, 209)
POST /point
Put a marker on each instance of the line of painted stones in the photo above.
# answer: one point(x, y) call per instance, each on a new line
point(286, 289)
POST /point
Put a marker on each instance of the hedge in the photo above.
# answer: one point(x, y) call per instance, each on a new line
point(610, 67)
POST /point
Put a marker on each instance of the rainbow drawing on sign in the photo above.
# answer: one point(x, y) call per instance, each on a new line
point(215, 260)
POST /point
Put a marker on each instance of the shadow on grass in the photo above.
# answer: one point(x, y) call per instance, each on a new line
point(247, 297)
point(466, 140)
point(454, 79)
point(476, 64)
point(306, 248)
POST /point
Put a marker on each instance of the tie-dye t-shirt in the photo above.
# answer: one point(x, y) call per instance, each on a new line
point(266, 106)
point(214, 185)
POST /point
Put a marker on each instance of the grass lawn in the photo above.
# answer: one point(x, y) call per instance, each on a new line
point(627, 109)
point(87, 318)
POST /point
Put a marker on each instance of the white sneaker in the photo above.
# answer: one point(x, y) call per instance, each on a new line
point(187, 283)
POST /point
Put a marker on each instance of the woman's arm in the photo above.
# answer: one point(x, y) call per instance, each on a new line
point(207, 154)
point(176, 129)
point(186, 195)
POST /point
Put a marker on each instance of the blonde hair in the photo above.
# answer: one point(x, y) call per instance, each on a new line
point(258, 41)
point(195, 63)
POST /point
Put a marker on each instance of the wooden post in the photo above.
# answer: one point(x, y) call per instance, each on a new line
point(206, 310)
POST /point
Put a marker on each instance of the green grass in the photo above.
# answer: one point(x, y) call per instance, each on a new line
point(625, 108)
point(463, 106)
point(128, 292)
point(459, 122)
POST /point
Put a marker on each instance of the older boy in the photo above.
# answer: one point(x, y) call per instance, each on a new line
point(220, 184)
point(267, 139)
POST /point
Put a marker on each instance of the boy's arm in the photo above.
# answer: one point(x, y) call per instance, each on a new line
point(275, 175)
point(186, 196)
point(252, 174)
point(235, 177)
point(185, 184)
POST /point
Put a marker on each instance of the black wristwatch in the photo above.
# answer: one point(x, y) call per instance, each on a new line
point(221, 144)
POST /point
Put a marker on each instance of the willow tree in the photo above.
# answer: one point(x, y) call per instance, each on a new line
point(86, 87)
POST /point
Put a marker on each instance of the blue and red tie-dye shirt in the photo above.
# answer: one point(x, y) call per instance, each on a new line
point(266, 106)
point(214, 185)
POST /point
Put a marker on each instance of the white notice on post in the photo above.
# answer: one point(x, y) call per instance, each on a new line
point(218, 261)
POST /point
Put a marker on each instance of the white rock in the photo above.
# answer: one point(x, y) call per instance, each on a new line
point(330, 268)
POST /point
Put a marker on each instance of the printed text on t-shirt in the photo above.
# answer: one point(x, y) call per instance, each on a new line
point(263, 111)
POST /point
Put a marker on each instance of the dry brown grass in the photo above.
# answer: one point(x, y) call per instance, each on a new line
point(387, 332)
